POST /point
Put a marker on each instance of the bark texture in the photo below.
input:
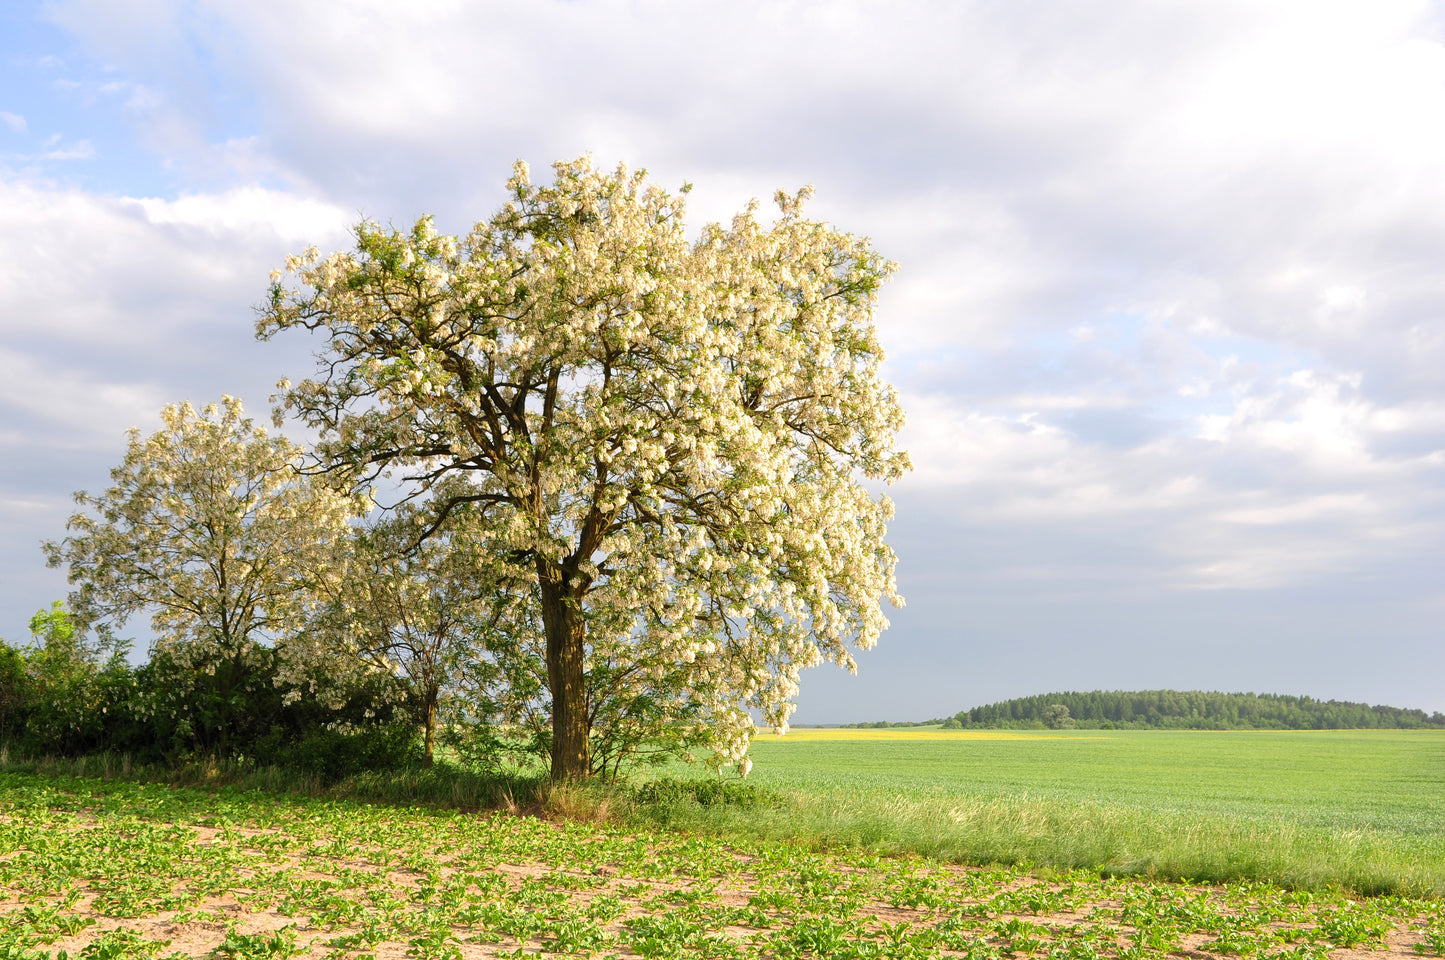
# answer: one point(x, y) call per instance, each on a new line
point(566, 678)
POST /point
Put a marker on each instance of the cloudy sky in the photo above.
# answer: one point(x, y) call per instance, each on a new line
point(1169, 325)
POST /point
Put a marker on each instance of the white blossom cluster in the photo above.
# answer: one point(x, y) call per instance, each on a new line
point(668, 436)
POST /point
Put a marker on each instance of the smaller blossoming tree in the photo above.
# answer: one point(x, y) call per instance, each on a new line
point(210, 528)
point(435, 615)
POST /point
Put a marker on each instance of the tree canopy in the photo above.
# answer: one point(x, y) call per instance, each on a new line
point(668, 437)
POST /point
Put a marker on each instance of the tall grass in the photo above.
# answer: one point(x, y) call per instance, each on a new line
point(1050, 833)
point(1357, 809)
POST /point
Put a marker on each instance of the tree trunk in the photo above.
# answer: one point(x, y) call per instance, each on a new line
point(429, 721)
point(228, 676)
point(566, 632)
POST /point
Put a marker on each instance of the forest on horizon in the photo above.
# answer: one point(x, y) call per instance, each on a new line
point(1178, 710)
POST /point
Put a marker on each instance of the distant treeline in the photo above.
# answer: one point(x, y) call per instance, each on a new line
point(892, 724)
point(1188, 710)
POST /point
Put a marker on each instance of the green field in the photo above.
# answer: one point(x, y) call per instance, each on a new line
point(101, 869)
point(1361, 809)
point(1384, 780)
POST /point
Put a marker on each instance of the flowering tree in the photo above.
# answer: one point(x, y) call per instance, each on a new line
point(668, 437)
point(209, 526)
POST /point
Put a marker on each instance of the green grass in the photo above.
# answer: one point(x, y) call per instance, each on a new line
point(1309, 809)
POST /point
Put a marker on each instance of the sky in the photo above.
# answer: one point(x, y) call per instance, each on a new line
point(1169, 323)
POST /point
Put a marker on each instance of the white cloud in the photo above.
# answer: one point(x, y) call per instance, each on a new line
point(249, 211)
point(70, 407)
point(111, 308)
point(1305, 510)
point(14, 121)
point(79, 150)
point(16, 506)
point(1155, 262)
point(1028, 173)
point(1326, 425)
point(1299, 478)
point(96, 270)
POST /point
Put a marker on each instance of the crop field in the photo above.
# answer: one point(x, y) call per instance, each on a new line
point(1374, 779)
point(1358, 809)
point(97, 869)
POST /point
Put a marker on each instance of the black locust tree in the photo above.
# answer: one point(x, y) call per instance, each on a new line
point(670, 436)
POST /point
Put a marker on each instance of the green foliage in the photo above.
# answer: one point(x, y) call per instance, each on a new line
point(333, 754)
point(69, 696)
point(257, 946)
point(59, 694)
point(120, 945)
point(55, 632)
point(1433, 933)
point(428, 611)
point(14, 692)
point(496, 751)
point(1195, 710)
point(708, 792)
point(1056, 717)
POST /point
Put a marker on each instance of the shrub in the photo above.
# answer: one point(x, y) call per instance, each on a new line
point(334, 754)
point(707, 792)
